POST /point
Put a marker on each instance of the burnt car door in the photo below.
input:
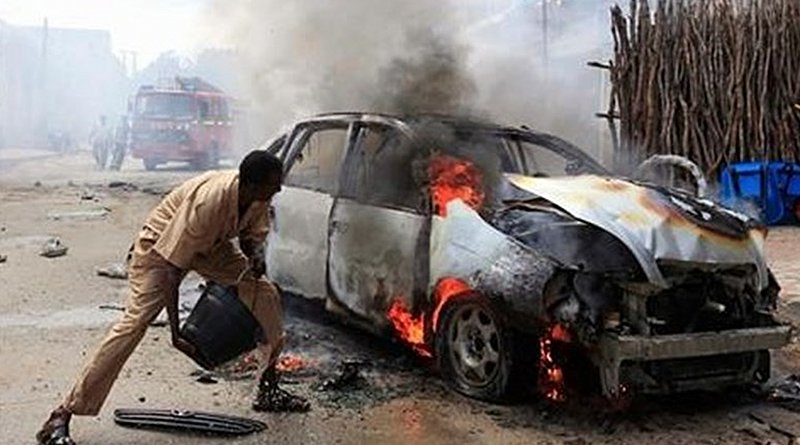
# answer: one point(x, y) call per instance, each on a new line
point(376, 225)
point(297, 245)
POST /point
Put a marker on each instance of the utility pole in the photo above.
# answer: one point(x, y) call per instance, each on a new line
point(43, 100)
point(130, 69)
point(544, 35)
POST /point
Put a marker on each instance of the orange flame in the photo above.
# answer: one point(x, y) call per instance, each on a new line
point(551, 377)
point(410, 329)
point(446, 289)
point(453, 178)
point(290, 363)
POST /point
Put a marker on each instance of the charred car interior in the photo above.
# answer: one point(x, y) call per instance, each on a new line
point(493, 250)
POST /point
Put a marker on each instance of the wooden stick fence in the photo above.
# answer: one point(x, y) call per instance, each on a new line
point(717, 81)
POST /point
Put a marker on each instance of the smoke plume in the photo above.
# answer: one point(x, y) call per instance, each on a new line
point(458, 57)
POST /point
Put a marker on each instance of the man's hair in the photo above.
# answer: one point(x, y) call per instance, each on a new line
point(258, 166)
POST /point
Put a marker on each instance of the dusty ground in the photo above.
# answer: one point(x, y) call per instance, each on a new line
point(50, 321)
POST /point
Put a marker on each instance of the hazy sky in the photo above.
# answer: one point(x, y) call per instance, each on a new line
point(146, 26)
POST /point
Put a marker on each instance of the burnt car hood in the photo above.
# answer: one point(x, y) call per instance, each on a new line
point(656, 224)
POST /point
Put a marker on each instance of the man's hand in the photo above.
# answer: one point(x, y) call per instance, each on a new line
point(182, 345)
point(255, 255)
point(258, 266)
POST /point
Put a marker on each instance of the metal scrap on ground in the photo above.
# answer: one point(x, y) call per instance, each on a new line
point(193, 421)
point(349, 376)
point(786, 393)
point(96, 213)
point(53, 248)
point(116, 270)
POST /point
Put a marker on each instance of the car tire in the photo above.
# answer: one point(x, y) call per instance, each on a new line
point(149, 164)
point(474, 349)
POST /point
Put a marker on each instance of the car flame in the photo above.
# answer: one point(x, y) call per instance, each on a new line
point(409, 328)
point(454, 178)
point(551, 375)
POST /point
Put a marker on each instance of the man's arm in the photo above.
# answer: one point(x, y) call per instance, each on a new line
point(251, 240)
point(254, 251)
point(170, 277)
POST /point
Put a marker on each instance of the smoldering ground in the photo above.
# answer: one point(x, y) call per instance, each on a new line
point(304, 57)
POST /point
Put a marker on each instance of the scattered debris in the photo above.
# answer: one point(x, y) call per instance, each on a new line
point(87, 195)
point(97, 213)
point(290, 363)
point(116, 271)
point(194, 421)
point(274, 399)
point(3, 258)
point(125, 186)
point(206, 378)
point(772, 426)
point(112, 307)
point(348, 377)
point(753, 428)
point(37, 184)
point(154, 191)
point(53, 248)
point(787, 392)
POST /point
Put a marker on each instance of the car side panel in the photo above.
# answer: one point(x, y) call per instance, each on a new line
point(372, 254)
point(298, 241)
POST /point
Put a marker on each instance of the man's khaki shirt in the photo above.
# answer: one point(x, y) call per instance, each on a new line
point(202, 213)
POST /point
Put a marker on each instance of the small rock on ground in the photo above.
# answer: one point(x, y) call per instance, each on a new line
point(53, 248)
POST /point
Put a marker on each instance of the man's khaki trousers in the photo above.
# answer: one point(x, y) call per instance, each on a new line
point(225, 265)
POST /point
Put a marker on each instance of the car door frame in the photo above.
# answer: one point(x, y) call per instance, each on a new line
point(350, 252)
point(297, 261)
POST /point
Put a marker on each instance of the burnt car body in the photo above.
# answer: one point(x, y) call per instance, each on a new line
point(482, 246)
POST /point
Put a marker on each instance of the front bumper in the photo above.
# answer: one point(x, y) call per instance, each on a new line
point(164, 152)
point(614, 350)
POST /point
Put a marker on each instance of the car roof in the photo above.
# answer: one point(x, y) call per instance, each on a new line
point(465, 122)
point(413, 119)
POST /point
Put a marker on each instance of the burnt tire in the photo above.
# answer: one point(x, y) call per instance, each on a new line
point(474, 349)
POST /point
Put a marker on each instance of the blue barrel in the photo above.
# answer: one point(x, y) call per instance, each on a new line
point(773, 188)
point(220, 327)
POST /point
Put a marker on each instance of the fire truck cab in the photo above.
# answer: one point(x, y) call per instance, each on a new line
point(189, 121)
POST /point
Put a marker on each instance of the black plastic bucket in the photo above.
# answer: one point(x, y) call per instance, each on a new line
point(220, 327)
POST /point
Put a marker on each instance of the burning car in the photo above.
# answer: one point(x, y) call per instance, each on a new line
point(492, 249)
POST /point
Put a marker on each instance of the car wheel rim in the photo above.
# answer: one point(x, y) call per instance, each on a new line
point(474, 341)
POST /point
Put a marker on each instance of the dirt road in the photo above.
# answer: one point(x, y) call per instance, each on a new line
point(50, 321)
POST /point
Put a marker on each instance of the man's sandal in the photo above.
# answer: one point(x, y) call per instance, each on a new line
point(55, 432)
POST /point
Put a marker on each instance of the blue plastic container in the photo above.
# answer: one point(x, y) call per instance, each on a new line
point(773, 188)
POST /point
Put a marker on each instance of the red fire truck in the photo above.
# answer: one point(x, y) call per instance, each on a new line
point(189, 121)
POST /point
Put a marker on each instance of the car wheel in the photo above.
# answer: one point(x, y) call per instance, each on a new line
point(474, 348)
point(150, 164)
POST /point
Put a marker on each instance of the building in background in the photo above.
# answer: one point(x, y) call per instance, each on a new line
point(56, 80)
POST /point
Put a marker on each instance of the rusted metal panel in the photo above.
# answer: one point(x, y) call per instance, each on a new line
point(465, 246)
point(614, 349)
point(632, 347)
point(653, 225)
point(372, 254)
